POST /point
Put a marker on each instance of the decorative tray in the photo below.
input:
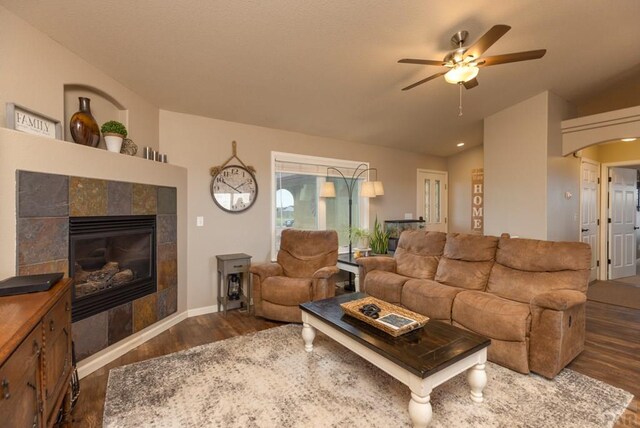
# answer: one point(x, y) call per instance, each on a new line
point(392, 319)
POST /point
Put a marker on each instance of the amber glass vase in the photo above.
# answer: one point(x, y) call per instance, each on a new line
point(84, 128)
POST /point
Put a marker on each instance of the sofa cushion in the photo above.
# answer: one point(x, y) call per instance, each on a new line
point(522, 286)
point(283, 290)
point(463, 274)
point(470, 248)
point(385, 285)
point(418, 253)
point(429, 298)
point(543, 256)
point(302, 252)
point(492, 316)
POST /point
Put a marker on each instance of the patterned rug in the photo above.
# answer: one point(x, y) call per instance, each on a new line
point(267, 379)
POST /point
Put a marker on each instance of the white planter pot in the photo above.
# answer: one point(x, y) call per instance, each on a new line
point(114, 142)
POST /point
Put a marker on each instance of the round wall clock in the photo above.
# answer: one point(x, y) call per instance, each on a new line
point(234, 188)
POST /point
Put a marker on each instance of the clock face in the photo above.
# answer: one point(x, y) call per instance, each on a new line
point(234, 189)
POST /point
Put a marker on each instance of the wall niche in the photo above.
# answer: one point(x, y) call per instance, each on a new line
point(104, 107)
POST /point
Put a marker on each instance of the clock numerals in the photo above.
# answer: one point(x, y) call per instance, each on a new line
point(234, 189)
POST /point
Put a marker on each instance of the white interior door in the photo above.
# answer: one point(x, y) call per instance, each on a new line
point(432, 199)
point(622, 214)
point(589, 219)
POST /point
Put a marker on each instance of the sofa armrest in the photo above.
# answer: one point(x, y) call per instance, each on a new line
point(558, 300)
point(558, 329)
point(367, 264)
point(326, 272)
point(377, 263)
point(265, 270)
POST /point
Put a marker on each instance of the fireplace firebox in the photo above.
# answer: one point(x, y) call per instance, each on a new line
point(112, 261)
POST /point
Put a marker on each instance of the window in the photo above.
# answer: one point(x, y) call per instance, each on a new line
point(296, 201)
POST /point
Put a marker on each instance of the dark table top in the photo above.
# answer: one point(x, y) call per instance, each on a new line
point(423, 352)
point(348, 259)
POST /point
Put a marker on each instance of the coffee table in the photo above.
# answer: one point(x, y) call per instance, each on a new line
point(421, 359)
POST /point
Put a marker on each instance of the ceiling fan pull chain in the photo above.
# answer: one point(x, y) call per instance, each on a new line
point(460, 103)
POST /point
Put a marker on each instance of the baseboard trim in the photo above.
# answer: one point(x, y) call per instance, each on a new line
point(202, 311)
point(104, 357)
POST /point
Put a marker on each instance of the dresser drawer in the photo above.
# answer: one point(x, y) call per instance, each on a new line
point(20, 400)
point(58, 318)
point(236, 266)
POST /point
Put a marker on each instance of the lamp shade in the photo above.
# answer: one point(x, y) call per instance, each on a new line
point(368, 190)
point(328, 190)
point(378, 187)
point(461, 73)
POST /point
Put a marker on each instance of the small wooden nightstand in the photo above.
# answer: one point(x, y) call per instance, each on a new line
point(229, 264)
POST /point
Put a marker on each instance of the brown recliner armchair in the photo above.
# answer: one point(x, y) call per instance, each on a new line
point(304, 271)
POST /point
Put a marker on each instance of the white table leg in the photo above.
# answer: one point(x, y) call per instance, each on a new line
point(356, 281)
point(420, 410)
point(308, 334)
point(477, 377)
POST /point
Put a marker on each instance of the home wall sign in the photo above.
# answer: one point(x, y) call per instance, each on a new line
point(31, 122)
point(477, 200)
point(234, 187)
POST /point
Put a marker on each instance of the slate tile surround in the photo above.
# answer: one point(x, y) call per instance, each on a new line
point(44, 204)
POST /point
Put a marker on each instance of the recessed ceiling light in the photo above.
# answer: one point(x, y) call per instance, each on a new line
point(462, 144)
point(627, 140)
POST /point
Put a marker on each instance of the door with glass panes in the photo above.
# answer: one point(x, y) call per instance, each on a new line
point(432, 199)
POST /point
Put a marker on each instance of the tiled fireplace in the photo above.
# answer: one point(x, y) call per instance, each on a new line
point(48, 204)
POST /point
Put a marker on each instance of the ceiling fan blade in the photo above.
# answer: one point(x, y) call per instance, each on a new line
point(471, 83)
point(420, 61)
point(433, 76)
point(512, 57)
point(488, 39)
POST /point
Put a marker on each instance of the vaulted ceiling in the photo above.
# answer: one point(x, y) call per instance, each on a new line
point(329, 67)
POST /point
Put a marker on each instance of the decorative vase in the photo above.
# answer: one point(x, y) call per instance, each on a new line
point(113, 141)
point(84, 128)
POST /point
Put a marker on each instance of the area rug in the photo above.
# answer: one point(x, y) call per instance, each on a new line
point(267, 379)
point(615, 293)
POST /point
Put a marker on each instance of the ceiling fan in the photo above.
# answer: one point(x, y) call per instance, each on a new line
point(464, 62)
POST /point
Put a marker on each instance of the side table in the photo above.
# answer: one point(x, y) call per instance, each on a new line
point(347, 263)
point(229, 264)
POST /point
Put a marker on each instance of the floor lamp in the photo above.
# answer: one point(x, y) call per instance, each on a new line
point(370, 189)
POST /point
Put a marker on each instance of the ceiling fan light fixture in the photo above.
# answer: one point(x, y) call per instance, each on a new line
point(461, 73)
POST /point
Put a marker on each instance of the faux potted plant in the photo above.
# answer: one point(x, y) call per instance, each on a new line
point(379, 239)
point(113, 132)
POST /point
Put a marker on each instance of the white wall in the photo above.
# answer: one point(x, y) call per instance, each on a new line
point(459, 167)
point(35, 68)
point(198, 143)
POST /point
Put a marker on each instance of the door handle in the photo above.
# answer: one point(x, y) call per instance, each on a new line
point(584, 230)
point(636, 228)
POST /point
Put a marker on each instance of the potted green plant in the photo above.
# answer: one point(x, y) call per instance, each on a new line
point(379, 239)
point(113, 132)
point(360, 237)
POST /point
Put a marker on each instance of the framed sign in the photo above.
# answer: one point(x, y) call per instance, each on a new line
point(477, 200)
point(31, 122)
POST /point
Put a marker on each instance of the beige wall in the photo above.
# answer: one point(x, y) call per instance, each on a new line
point(459, 167)
point(526, 179)
point(563, 178)
point(35, 68)
point(199, 143)
point(20, 151)
point(515, 176)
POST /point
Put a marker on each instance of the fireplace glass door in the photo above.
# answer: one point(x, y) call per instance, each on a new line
point(112, 261)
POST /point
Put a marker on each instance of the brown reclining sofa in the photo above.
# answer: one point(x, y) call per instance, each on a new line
point(527, 296)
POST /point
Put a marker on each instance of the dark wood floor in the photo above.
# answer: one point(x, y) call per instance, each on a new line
point(612, 354)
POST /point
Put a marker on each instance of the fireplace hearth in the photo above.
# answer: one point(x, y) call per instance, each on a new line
point(112, 260)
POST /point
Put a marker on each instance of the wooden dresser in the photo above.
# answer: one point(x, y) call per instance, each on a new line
point(35, 357)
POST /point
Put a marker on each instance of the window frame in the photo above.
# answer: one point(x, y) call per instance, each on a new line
point(323, 162)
